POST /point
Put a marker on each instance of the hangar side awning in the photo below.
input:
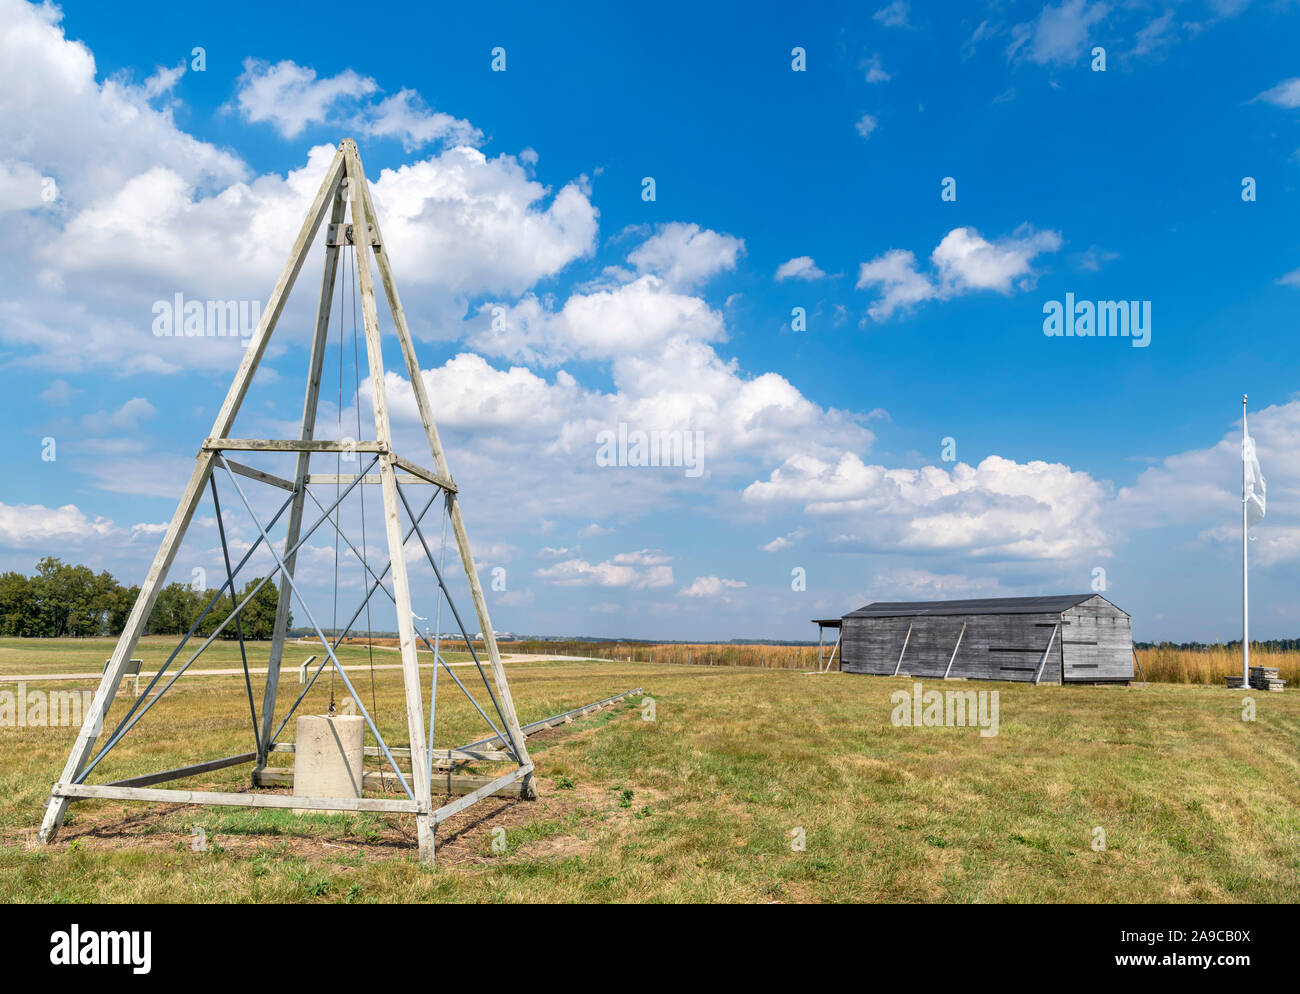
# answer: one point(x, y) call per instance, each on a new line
point(822, 624)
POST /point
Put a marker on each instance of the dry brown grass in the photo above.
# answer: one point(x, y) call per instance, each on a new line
point(1158, 665)
point(769, 657)
point(1213, 665)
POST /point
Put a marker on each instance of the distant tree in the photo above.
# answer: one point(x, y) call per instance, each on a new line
point(259, 617)
point(62, 600)
point(53, 604)
point(17, 604)
point(87, 595)
point(174, 610)
point(120, 602)
point(213, 619)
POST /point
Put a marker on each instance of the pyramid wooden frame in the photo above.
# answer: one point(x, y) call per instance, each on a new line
point(344, 186)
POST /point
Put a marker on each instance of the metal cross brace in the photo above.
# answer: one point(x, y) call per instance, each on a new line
point(461, 625)
point(423, 637)
point(132, 718)
point(319, 634)
point(239, 627)
point(343, 634)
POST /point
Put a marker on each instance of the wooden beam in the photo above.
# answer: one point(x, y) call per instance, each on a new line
point(93, 721)
point(454, 784)
point(522, 773)
point(291, 445)
point(257, 474)
point(105, 792)
point(900, 655)
point(449, 755)
point(428, 475)
point(954, 650)
point(556, 719)
point(831, 661)
point(180, 772)
point(1043, 662)
point(504, 697)
point(297, 256)
point(357, 198)
point(343, 234)
point(308, 429)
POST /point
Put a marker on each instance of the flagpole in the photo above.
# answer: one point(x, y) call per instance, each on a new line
point(1245, 589)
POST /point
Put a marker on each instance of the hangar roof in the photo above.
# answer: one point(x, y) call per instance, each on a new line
point(1050, 604)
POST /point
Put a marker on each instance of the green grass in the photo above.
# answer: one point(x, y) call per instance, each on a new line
point(23, 656)
point(703, 803)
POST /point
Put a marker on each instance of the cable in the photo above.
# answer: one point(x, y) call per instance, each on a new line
point(338, 468)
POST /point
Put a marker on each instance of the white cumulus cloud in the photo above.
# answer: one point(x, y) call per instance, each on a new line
point(801, 267)
point(963, 262)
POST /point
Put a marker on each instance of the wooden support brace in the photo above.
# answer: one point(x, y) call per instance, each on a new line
point(343, 234)
point(290, 445)
point(831, 659)
point(257, 474)
point(555, 719)
point(107, 792)
point(523, 773)
point(1135, 659)
point(1043, 662)
point(428, 475)
point(181, 772)
point(906, 638)
point(361, 214)
point(453, 784)
point(439, 755)
point(954, 650)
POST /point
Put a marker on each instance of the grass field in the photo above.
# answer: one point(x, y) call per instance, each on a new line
point(702, 803)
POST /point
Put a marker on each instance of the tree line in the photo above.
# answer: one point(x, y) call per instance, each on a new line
point(60, 600)
point(1269, 645)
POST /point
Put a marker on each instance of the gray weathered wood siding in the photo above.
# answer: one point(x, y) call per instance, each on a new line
point(1098, 642)
point(871, 645)
point(995, 646)
point(1093, 643)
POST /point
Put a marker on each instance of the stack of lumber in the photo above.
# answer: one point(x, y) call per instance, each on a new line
point(1265, 678)
point(1261, 678)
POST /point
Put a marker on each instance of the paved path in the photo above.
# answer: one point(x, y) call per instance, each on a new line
point(284, 670)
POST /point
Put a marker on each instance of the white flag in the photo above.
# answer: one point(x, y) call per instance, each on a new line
point(1254, 478)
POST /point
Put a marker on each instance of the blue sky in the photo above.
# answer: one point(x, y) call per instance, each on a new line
point(131, 176)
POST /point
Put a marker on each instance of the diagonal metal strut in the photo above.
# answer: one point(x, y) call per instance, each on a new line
point(123, 727)
point(239, 627)
point(515, 746)
point(342, 635)
point(423, 637)
point(319, 634)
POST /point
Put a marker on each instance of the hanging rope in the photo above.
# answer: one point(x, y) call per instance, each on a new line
point(338, 468)
point(437, 647)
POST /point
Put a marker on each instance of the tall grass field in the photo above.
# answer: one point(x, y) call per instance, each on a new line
point(1211, 666)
